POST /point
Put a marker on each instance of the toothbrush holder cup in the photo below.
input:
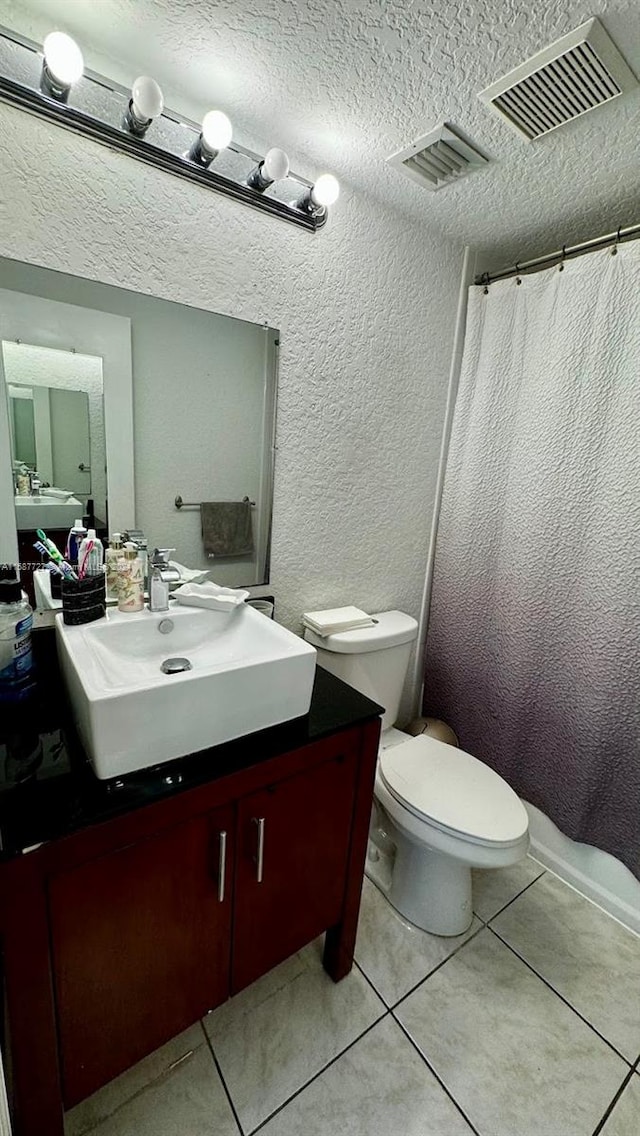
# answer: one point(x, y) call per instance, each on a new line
point(84, 601)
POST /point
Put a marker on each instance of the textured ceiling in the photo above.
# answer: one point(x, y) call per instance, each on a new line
point(341, 84)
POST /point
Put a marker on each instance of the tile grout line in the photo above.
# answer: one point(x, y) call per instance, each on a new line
point(613, 1104)
point(560, 996)
point(216, 1063)
point(162, 1076)
point(315, 1076)
point(435, 1075)
point(510, 901)
point(430, 973)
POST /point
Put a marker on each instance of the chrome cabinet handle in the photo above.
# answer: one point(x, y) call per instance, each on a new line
point(222, 865)
point(259, 858)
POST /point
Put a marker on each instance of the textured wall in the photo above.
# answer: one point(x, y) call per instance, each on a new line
point(366, 310)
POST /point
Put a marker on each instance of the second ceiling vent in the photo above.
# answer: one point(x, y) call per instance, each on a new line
point(439, 158)
point(579, 72)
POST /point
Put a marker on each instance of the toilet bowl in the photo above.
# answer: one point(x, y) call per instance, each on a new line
point(443, 812)
point(438, 811)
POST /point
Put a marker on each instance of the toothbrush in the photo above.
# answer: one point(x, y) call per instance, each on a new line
point(50, 547)
point(54, 569)
point(52, 551)
point(63, 567)
point(85, 560)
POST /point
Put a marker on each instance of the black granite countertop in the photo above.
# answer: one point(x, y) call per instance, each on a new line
point(48, 789)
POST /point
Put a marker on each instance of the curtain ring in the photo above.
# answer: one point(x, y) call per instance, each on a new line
point(486, 280)
point(564, 253)
point(518, 280)
point(614, 250)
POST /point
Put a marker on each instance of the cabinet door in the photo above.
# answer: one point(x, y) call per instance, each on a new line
point(293, 844)
point(141, 943)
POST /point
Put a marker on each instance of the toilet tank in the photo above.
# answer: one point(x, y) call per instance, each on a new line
point(374, 660)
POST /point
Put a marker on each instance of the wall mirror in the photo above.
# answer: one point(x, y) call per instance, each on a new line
point(56, 426)
point(131, 411)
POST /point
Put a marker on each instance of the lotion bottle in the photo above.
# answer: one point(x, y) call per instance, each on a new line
point(23, 485)
point(130, 579)
point(113, 554)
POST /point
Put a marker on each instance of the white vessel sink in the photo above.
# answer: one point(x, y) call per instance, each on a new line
point(46, 512)
point(247, 673)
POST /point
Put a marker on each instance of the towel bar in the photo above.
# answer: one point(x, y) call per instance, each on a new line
point(180, 504)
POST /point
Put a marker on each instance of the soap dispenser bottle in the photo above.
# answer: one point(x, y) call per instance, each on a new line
point(112, 555)
point(23, 484)
point(130, 579)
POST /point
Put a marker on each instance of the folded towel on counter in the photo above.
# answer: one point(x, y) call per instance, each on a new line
point(58, 494)
point(190, 575)
point(210, 595)
point(336, 619)
point(227, 528)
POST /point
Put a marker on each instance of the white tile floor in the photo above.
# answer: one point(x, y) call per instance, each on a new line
point(528, 1025)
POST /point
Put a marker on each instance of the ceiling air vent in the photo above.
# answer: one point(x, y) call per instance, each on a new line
point(579, 72)
point(439, 158)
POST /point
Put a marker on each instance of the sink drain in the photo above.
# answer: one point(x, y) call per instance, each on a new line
point(174, 666)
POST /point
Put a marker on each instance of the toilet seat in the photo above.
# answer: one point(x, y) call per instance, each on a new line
point(453, 791)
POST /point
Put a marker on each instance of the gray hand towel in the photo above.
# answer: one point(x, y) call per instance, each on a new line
point(226, 528)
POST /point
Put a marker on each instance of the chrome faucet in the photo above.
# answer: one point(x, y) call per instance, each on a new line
point(161, 574)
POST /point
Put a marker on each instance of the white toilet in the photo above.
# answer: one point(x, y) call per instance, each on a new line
point(438, 811)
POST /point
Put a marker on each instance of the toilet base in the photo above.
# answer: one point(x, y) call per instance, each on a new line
point(431, 889)
point(425, 872)
point(428, 888)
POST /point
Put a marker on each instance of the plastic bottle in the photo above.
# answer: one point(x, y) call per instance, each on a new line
point(130, 579)
point(95, 559)
point(16, 657)
point(111, 557)
point(23, 485)
point(74, 540)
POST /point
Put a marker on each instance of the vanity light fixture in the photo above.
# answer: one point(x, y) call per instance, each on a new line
point(216, 134)
point(62, 65)
point(273, 167)
point(120, 118)
point(145, 104)
point(323, 193)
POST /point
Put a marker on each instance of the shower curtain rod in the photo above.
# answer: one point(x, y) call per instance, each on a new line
point(632, 232)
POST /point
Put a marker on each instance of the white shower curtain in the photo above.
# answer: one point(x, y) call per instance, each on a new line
point(533, 648)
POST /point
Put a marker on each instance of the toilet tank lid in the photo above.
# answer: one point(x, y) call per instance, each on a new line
point(390, 630)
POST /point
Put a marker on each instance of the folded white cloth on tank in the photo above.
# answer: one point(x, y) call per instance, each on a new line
point(336, 619)
point(210, 595)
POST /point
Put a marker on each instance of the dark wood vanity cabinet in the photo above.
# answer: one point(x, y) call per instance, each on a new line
point(293, 846)
point(136, 927)
point(140, 947)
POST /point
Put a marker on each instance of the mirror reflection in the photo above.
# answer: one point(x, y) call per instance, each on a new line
point(136, 414)
point(56, 423)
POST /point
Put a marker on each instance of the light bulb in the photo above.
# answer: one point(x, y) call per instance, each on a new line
point(63, 64)
point(216, 131)
point(146, 98)
point(275, 166)
point(325, 191)
point(145, 104)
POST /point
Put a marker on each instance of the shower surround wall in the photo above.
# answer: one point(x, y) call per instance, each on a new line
point(366, 311)
point(532, 649)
